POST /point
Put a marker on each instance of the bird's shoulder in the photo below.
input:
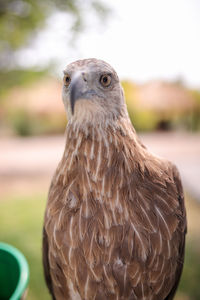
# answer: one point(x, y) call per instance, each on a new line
point(165, 173)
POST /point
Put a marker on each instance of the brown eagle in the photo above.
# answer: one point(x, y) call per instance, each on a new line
point(115, 220)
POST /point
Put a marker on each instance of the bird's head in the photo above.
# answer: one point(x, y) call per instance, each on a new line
point(92, 92)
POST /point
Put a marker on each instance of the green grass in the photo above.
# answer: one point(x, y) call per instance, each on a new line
point(21, 220)
point(189, 284)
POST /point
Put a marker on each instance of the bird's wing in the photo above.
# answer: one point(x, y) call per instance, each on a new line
point(158, 219)
point(45, 251)
point(179, 188)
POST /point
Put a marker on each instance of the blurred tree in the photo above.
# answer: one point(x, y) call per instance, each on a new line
point(20, 20)
point(195, 122)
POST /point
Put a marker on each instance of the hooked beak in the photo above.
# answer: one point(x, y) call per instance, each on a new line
point(77, 86)
point(79, 89)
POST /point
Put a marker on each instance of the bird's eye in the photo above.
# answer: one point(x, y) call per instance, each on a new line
point(67, 80)
point(105, 80)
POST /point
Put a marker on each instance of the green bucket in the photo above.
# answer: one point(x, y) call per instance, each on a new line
point(14, 273)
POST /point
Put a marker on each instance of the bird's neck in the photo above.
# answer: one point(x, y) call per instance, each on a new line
point(111, 133)
point(99, 159)
point(101, 144)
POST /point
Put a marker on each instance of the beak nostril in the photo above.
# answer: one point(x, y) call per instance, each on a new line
point(84, 76)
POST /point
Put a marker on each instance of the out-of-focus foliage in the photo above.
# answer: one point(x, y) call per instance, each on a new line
point(191, 270)
point(144, 120)
point(162, 105)
point(11, 78)
point(34, 109)
point(25, 124)
point(196, 112)
point(20, 21)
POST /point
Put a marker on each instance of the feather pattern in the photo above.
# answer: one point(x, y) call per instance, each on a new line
point(111, 228)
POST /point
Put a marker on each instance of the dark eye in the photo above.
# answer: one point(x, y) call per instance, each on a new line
point(67, 80)
point(105, 80)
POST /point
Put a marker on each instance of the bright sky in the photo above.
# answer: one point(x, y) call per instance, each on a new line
point(142, 40)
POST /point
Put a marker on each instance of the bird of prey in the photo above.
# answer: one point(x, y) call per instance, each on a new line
point(115, 220)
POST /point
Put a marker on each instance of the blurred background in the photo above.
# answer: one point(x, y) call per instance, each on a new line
point(154, 46)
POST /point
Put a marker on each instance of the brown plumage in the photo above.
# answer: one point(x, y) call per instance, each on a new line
point(115, 219)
